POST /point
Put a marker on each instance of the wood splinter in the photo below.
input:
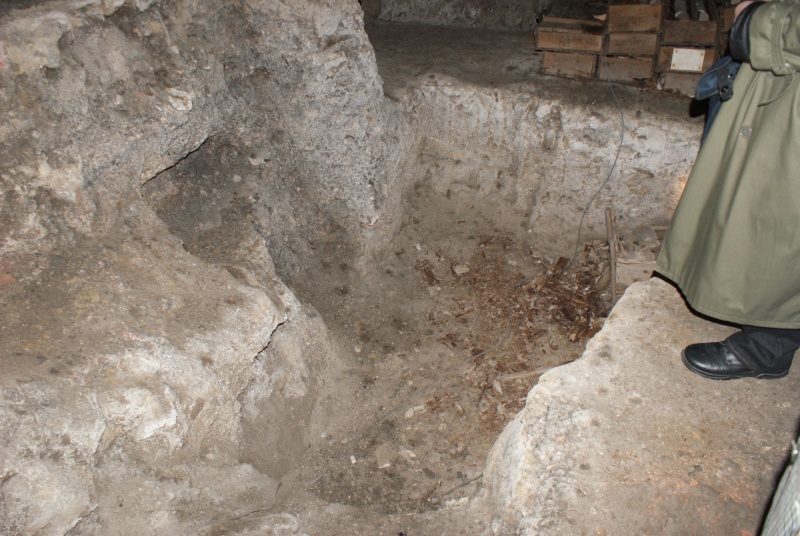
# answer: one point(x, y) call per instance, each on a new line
point(431, 490)
point(612, 252)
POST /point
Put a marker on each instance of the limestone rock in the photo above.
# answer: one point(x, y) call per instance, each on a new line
point(134, 346)
point(628, 429)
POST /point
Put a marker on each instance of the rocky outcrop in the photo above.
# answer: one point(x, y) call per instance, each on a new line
point(145, 359)
point(627, 441)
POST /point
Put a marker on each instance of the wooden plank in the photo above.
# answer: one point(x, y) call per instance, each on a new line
point(632, 44)
point(568, 65)
point(726, 18)
point(681, 82)
point(680, 32)
point(634, 18)
point(666, 55)
point(576, 24)
point(722, 43)
point(569, 41)
point(617, 68)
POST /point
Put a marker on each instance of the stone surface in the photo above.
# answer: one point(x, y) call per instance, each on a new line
point(626, 440)
point(493, 14)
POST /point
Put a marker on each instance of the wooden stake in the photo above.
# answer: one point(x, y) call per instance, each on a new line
point(611, 234)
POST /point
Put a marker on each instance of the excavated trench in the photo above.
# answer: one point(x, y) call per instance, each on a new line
point(443, 332)
point(269, 268)
point(446, 336)
point(477, 287)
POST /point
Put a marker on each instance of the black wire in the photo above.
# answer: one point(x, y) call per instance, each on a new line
point(610, 172)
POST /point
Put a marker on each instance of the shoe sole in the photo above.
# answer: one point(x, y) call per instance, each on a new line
point(759, 376)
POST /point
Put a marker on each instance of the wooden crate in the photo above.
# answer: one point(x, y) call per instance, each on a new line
point(686, 32)
point(686, 60)
point(682, 82)
point(722, 43)
point(554, 23)
point(569, 35)
point(621, 68)
point(569, 42)
point(726, 18)
point(632, 44)
point(570, 65)
point(633, 18)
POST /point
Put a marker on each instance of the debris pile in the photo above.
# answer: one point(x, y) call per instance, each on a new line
point(515, 328)
point(496, 318)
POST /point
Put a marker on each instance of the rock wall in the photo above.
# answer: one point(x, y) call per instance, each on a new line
point(494, 14)
point(145, 359)
point(536, 155)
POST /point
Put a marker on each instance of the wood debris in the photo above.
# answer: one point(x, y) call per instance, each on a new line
point(425, 267)
point(430, 491)
point(541, 321)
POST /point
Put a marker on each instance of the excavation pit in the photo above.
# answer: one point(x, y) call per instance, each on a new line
point(446, 335)
point(442, 333)
point(446, 309)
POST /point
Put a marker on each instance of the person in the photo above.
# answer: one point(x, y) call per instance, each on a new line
point(733, 246)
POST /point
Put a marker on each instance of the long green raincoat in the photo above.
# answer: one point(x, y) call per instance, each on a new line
point(734, 243)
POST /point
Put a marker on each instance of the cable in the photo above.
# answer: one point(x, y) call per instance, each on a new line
point(222, 519)
point(467, 483)
point(610, 172)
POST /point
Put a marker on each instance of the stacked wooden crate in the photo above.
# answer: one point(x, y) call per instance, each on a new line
point(726, 18)
point(688, 48)
point(631, 41)
point(569, 47)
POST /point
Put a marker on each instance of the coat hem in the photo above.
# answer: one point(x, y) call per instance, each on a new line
point(723, 316)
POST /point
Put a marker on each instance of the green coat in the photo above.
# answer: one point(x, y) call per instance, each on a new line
point(733, 246)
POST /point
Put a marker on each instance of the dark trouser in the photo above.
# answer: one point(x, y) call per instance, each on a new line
point(765, 349)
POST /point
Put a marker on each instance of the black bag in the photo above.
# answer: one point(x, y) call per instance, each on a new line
point(716, 86)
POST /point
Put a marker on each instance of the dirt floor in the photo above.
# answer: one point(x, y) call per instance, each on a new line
point(407, 51)
point(447, 335)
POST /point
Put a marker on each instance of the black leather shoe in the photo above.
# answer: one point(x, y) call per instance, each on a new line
point(715, 361)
